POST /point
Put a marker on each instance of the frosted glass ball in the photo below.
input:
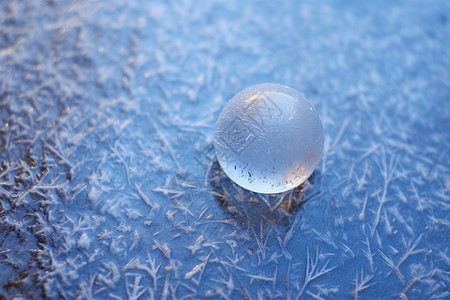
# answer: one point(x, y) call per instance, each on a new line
point(268, 138)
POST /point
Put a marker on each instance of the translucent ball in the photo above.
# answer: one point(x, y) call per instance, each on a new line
point(268, 138)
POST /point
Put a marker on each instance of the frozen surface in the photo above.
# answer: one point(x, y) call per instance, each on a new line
point(268, 138)
point(108, 183)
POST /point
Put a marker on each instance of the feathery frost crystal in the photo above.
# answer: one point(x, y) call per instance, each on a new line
point(268, 138)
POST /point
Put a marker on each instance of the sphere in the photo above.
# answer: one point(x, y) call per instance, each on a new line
point(268, 138)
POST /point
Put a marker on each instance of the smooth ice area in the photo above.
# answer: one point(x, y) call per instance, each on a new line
point(268, 138)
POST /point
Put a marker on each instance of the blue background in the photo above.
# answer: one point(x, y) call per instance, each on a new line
point(109, 187)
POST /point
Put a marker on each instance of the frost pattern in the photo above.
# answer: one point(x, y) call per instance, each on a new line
point(109, 187)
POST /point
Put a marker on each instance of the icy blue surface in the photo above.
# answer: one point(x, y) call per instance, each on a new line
point(108, 183)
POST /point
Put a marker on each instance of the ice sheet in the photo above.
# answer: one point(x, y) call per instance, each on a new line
point(109, 187)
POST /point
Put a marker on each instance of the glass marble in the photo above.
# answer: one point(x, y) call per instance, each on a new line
point(268, 138)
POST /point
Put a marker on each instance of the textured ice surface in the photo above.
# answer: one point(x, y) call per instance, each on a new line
point(268, 138)
point(109, 186)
